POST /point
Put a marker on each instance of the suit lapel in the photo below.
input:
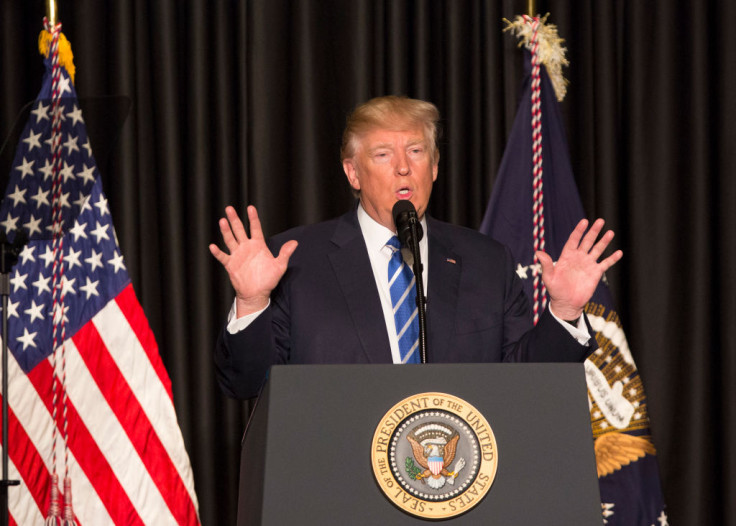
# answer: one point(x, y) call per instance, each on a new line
point(353, 272)
point(442, 293)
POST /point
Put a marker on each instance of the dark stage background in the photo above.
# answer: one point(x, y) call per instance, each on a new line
point(244, 102)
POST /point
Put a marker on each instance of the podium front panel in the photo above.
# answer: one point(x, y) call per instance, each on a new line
point(307, 453)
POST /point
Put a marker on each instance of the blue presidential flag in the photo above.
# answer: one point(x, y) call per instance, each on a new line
point(535, 162)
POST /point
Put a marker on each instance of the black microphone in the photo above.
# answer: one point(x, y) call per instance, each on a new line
point(405, 215)
point(409, 231)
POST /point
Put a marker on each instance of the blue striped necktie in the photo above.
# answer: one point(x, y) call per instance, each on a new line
point(404, 303)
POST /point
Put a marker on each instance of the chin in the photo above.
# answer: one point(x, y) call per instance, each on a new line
point(421, 208)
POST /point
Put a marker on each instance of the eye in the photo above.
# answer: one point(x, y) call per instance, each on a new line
point(381, 156)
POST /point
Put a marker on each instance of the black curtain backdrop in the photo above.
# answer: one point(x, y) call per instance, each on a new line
point(244, 102)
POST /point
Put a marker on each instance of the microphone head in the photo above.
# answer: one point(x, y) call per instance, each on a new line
point(405, 215)
point(403, 206)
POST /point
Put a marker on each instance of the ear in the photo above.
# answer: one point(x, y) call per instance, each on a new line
point(351, 173)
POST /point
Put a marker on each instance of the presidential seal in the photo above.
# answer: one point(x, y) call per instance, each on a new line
point(434, 455)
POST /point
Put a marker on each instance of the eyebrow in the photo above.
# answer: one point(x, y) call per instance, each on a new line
point(381, 146)
point(389, 146)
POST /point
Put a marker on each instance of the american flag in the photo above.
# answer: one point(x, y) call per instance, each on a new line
point(126, 456)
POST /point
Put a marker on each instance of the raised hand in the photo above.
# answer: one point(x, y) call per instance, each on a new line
point(573, 279)
point(252, 269)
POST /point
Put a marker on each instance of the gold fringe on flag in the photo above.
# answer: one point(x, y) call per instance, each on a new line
point(66, 58)
point(551, 51)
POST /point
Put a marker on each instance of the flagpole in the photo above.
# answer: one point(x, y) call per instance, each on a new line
point(531, 8)
point(51, 12)
point(9, 253)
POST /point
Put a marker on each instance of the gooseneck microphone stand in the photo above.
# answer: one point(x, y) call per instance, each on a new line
point(8, 257)
point(409, 231)
point(421, 298)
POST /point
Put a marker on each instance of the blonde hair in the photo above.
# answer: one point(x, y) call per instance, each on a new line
point(393, 113)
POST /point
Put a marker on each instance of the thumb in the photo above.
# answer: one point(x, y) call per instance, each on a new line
point(287, 249)
point(545, 260)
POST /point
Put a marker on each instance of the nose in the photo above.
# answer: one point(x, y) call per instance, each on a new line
point(402, 164)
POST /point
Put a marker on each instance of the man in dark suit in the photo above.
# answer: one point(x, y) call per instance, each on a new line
point(331, 300)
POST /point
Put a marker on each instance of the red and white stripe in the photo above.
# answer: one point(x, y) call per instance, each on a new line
point(126, 452)
point(435, 466)
point(539, 290)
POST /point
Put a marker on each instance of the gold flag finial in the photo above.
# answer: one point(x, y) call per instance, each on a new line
point(66, 57)
point(550, 49)
point(51, 12)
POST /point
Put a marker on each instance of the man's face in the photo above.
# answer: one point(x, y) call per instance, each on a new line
point(389, 165)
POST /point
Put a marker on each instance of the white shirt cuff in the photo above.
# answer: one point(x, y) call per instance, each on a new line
point(579, 331)
point(235, 324)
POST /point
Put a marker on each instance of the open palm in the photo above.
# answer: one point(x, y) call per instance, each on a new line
point(572, 280)
point(253, 270)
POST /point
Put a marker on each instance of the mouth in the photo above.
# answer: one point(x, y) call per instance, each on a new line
point(403, 193)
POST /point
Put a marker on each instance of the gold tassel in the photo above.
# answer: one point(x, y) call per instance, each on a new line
point(66, 58)
point(551, 51)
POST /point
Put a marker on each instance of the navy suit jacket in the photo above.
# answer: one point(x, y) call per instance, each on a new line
point(326, 308)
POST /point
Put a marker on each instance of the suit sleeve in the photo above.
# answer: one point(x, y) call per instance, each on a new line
point(548, 341)
point(242, 360)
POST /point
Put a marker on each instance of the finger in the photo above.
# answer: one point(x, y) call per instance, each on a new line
point(574, 240)
point(602, 244)
point(256, 232)
point(589, 239)
point(236, 224)
point(611, 260)
point(220, 256)
point(227, 234)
